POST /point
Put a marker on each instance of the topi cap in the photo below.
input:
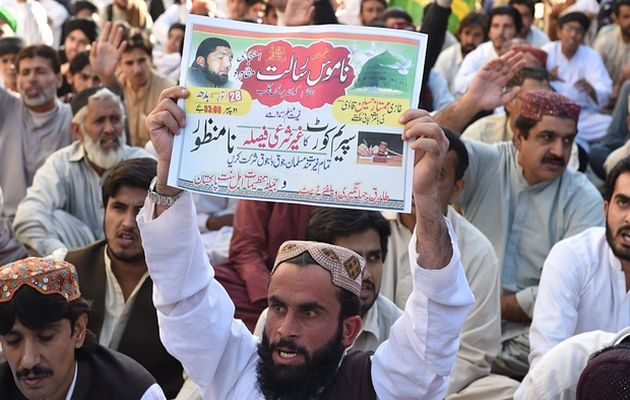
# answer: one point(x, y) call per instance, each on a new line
point(607, 374)
point(575, 16)
point(46, 275)
point(535, 104)
point(345, 266)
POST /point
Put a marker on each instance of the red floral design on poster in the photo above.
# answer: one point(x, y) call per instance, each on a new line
point(312, 76)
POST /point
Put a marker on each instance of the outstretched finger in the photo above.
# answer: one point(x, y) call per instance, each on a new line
point(104, 35)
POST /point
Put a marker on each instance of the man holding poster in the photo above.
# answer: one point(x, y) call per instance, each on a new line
point(313, 288)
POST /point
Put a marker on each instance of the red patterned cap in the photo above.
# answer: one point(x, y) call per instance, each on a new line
point(46, 275)
point(345, 266)
point(535, 104)
point(535, 51)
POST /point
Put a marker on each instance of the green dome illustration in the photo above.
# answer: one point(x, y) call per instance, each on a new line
point(384, 71)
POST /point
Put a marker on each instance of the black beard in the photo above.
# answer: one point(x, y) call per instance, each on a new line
point(302, 382)
point(218, 80)
point(620, 253)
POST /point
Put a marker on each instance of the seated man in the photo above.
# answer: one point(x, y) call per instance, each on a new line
point(528, 32)
point(313, 297)
point(365, 233)
point(505, 23)
point(481, 335)
point(50, 353)
point(471, 33)
point(586, 278)
point(113, 277)
point(34, 122)
point(499, 127)
point(80, 76)
point(578, 72)
point(64, 208)
point(506, 181)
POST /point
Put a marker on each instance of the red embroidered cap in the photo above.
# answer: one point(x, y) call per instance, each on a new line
point(536, 104)
point(46, 275)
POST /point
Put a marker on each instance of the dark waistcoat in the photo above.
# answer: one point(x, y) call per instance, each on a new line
point(102, 375)
point(353, 380)
point(140, 339)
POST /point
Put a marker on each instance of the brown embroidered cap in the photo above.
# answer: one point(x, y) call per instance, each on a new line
point(345, 266)
point(46, 275)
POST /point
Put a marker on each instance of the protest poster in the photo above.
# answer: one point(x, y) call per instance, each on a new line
point(298, 114)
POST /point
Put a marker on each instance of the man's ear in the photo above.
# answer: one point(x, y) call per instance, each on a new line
point(80, 330)
point(517, 139)
point(459, 187)
point(76, 131)
point(351, 329)
point(201, 61)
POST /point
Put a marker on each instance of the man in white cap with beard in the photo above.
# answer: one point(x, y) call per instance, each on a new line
point(63, 208)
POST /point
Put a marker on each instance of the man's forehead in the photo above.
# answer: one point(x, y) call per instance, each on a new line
point(19, 329)
point(557, 125)
point(35, 62)
point(221, 50)
point(134, 54)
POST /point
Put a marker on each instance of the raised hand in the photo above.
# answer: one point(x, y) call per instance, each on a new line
point(430, 145)
point(299, 12)
point(163, 123)
point(106, 52)
point(487, 87)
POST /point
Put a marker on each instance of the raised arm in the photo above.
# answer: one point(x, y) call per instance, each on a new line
point(418, 357)
point(195, 313)
point(486, 92)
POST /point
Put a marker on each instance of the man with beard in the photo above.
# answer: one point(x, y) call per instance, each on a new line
point(63, 208)
point(49, 351)
point(34, 123)
point(366, 233)
point(113, 277)
point(586, 278)
point(505, 23)
point(470, 33)
point(212, 64)
point(313, 296)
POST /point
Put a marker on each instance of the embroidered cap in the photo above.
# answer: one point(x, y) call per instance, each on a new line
point(538, 103)
point(345, 266)
point(46, 275)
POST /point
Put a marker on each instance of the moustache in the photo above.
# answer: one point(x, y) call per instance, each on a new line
point(289, 345)
point(36, 372)
point(554, 160)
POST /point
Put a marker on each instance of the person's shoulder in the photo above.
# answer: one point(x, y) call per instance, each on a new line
point(82, 256)
point(387, 308)
point(136, 152)
point(111, 367)
point(577, 183)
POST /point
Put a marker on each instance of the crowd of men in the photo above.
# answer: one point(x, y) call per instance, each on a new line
point(509, 279)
